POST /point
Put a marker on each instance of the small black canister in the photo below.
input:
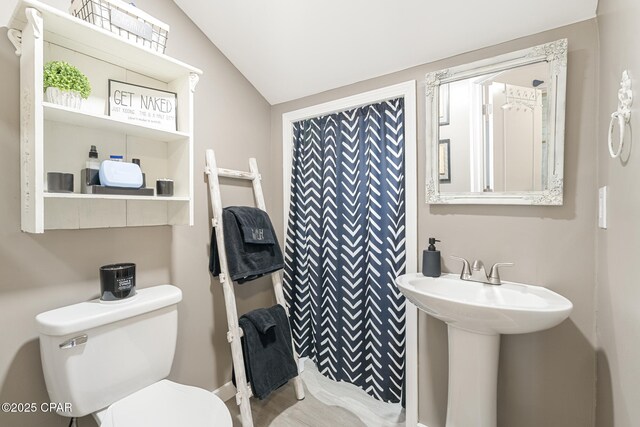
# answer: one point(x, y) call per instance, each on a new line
point(164, 187)
point(117, 281)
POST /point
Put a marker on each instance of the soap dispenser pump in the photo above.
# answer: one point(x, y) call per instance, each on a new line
point(431, 260)
point(92, 160)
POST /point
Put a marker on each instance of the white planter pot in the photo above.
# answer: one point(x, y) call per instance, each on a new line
point(70, 98)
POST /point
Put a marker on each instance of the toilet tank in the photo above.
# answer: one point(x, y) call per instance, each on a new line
point(95, 353)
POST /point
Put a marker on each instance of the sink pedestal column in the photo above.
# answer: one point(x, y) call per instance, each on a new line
point(473, 378)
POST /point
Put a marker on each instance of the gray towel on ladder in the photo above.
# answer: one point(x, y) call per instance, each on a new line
point(251, 244)
point(268, 356)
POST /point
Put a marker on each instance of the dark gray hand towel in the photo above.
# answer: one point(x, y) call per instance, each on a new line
point(251, 244)
point(254, 224)
point(268, 357)
point(262, 319)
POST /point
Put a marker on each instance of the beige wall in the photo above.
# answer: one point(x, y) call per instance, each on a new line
point(547, 378)
point(42, 272)
point(618, 307)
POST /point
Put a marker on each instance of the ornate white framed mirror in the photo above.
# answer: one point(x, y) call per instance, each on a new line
point(495, 129)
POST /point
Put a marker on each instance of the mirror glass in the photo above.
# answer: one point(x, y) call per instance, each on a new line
point(497, 129)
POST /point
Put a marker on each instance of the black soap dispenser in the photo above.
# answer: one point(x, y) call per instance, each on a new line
point(431, 259)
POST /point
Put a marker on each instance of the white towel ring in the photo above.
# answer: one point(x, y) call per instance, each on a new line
point(622, 124)
point(622, 115)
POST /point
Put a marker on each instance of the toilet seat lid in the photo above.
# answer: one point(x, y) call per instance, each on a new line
point(167, 404)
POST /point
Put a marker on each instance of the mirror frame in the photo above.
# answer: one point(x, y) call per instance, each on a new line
point(555, 53)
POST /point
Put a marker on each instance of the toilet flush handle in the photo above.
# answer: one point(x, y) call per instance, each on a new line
point(75, 341)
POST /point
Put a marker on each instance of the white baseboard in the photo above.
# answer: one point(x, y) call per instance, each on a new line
point(421, 425)
point(226, 392)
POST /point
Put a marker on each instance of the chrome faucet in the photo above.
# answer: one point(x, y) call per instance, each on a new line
point(477, 273)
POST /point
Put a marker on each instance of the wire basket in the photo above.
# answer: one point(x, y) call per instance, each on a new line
point(125, 20)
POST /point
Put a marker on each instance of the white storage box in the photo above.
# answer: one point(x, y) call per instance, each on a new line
point(125, 20)
point(120, 174)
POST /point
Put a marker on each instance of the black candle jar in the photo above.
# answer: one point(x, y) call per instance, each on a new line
point(117, 281)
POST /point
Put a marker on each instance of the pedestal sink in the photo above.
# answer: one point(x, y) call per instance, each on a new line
point(476, 314)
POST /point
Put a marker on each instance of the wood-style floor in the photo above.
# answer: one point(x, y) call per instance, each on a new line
point(281, 409)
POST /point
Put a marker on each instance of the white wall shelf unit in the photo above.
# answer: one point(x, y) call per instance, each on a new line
point(112, 197)
point(61, 114)
point(54, 138)
point(65, 30)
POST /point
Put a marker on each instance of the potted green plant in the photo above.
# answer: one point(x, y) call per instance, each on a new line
point(64, 84)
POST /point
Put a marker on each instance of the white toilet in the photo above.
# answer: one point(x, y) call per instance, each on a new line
point(109, 359)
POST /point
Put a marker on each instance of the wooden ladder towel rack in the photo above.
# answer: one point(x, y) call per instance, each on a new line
point(235, 332)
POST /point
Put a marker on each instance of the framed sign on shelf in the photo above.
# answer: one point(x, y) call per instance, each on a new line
point(143, 105)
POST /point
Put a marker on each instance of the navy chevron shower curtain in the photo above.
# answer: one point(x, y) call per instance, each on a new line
point(345, 245)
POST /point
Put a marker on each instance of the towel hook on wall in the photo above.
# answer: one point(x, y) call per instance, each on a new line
point(622, 115)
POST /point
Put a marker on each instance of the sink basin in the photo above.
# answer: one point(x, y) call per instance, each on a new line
point(510, 308)
point(476, 314)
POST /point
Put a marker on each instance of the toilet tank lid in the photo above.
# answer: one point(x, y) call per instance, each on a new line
point(91, 314)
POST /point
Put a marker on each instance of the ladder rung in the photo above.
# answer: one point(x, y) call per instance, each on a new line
point(230, 173)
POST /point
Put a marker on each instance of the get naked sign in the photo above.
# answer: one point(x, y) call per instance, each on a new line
point(142, 105)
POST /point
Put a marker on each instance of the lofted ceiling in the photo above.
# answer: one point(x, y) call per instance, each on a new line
point(289, 49)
